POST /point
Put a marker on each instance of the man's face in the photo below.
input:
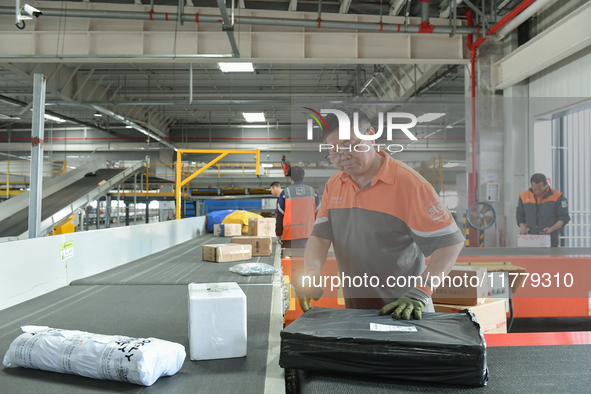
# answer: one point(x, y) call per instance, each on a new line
point(538, 188)
point(282, 157)
point(275, 191)
point(353, 163)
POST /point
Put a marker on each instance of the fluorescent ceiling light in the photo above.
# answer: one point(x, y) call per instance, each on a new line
point(236, 67)
point(450, 165)
point(98, 114)
point(128, 127)
point(54, 118)
point(429, 117)
point(254, 116)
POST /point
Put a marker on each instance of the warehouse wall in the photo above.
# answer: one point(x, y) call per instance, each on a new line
point(564, 85)
point(33, 267)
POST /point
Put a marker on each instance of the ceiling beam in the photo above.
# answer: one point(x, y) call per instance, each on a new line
point(78, 87)
point(563, 39)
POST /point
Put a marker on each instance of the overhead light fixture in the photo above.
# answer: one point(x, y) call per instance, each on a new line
point(129, 127)
point(98, 114)
point(54, 118)
point(429, 117)
point(236, 67)
point(450, 165)
point(449, 126)
point(254, 116)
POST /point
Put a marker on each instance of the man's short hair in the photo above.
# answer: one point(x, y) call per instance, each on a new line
point(297, 174)
point(332, 122)
point(537, 178)
point(275, 184)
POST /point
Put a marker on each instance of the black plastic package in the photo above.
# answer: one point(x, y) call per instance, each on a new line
point(441, 348)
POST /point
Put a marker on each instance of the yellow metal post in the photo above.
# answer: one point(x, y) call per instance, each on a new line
point(8, 179)
point(177, 184)
point(147, 179)
point(440, 174)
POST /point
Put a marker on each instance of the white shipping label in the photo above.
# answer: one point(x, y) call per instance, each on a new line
point(386, 327)
point(67, 250)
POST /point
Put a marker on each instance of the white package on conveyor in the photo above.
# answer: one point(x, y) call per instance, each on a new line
point(110, 357)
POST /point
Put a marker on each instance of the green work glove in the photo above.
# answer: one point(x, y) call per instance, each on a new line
point(411, 303)
point(307, 292)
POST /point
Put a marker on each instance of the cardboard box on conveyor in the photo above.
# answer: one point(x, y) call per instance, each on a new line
point(465, 286)
point(261, 246)
point(227, 230)
point(217, 321)
point(261, 227)
point(491, 314)
point(224, 253)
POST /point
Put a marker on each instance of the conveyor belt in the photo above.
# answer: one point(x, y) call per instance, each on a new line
point(524, 252)
point(136, 311)
point(515, 369)
point(179, 265)
point(17, 224)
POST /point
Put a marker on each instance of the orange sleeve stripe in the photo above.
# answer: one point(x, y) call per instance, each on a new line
point(426, 289)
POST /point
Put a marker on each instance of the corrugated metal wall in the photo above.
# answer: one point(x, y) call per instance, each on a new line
point(573, 132)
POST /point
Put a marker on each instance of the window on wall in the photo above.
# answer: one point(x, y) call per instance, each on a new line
point(571, 171)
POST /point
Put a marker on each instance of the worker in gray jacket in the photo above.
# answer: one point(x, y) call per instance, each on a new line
point(542, 210)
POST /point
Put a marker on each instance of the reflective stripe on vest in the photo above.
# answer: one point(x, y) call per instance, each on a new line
point(300, 212)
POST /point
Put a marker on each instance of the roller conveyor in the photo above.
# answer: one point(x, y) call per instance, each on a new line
point(17, 224)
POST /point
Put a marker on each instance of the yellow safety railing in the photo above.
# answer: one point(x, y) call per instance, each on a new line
point(18, 169)
point(433, 172)
point(182, 182)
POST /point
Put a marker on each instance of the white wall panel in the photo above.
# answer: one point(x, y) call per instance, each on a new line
point(33, 267)
point(29, 269)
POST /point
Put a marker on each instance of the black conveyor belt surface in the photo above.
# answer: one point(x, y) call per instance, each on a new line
point(512, 369)
point(179, 265)
point(17, 224)
point(136, 311)
point(524, 252)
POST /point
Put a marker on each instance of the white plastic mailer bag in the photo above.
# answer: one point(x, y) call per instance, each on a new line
point(111, 357)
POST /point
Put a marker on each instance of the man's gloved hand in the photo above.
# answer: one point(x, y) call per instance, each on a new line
point(411, 303)
point(306, 290)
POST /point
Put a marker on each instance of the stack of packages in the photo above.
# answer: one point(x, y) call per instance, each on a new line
point(467, 288)
point(440, 348)
point(260, 236)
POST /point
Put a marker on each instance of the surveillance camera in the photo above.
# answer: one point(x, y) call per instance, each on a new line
point(32, 11)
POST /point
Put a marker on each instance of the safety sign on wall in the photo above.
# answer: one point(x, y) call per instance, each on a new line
point(67, 250)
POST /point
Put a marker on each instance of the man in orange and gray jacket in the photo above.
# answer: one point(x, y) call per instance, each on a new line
point(296, 211)
point(542, 210)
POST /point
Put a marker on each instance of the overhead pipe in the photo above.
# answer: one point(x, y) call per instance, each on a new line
point(284, 22)
point(425, 26)
point(512, 14)
point(530, 11)
point(473, 47)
